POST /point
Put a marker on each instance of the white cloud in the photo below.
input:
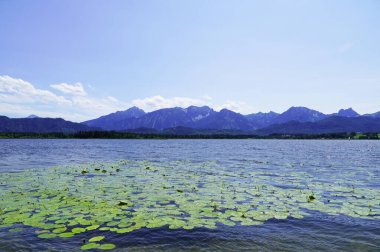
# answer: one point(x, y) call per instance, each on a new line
point(75, 89)
point(20, 110)
point(207, 97)
point(236, 106)
point(19, 98)
point(345, 47)
point(21, 92)
point(112, 99)
point(159, 102)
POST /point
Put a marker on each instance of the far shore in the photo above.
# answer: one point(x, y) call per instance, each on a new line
point(131, 135)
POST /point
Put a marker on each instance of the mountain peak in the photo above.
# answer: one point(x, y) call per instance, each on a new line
point(131, 112)
point(202, 110)
point(298, 109)
point(107, 121)
point(135, 109)
point(228, 112)
point(301, 114)
point(32, 116)
point(347, 113)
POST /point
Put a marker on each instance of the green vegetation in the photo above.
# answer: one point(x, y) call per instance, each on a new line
point(96, 239)
point(129, 135)
point(367, 136)
point(62, 202)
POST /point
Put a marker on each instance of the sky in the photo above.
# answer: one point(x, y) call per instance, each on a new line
point(83, 59)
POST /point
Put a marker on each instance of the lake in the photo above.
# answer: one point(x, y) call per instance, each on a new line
point(189, 195)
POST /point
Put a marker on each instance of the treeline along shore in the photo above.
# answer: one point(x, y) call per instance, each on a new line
point(131, 135)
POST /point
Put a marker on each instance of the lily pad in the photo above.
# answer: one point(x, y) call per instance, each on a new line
point(78, 230)
point(96, 239)
point(90, 246)
point(66, 235)
point(93, 227)
point(107, 246)
point(47, 235)
point(59, 230)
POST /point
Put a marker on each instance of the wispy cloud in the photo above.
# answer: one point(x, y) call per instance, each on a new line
point(237, 106)
point(19, 98)
point(75, 89)
point(22, 92)
point(345, 47)
point(158, 102)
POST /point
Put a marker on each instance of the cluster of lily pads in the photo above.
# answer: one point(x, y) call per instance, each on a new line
point(124, 196)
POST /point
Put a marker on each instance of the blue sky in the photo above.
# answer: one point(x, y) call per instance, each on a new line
point(82, 59)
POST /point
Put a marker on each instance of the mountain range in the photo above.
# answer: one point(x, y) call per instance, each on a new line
point(191, 117)
point(333, 124)
point(207, 118)
point(41, 125)
point(198, 120)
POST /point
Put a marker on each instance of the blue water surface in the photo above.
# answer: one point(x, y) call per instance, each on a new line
point(317, 158)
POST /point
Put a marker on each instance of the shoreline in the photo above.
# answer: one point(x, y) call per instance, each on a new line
point(130, 135)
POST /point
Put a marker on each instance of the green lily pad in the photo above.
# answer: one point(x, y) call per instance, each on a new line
point(78, 230)
point(59, 230)
point(47, 235)
point(66, 235)
point(107, 246)
point(104, 228)
point(90, 246)
point(93, 227)
point(96, 239)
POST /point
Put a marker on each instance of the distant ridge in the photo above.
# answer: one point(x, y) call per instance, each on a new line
point(107, 122)
point(191, 117)
point(376, 115)
point(40, 125)
point(195, 120)
point(262, 119)
point(333, 124)
point(206, 118)
point(299, 114)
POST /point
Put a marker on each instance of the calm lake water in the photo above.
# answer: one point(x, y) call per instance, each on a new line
point(328, 162)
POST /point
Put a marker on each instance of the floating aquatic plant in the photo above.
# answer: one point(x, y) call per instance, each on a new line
point(107, 246)
point(67, 200)
point(90, 246)
point(96, 239)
